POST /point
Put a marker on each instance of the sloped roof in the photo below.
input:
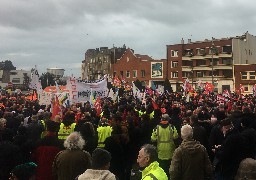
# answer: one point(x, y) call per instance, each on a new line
point(144, 57)
point(53, 89)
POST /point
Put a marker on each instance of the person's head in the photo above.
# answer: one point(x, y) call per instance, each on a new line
point(186, 132)
point(221, 107)
point(2, 123)
point(226, 125)
point(57, 118)
point(34, 118)
point(74, 141)
point(165, 117)
point(147, 155)
point(193, 119)
point(52, 126)
point(25, 171)
point(101, 159)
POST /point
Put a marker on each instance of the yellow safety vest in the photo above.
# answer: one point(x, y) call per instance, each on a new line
point(43, 133)
point(103, 133)
point(65, 131)
point(164, 138)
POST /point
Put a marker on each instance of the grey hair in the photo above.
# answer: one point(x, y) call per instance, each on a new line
point(74, 141)
point(151, 151)
point(186, 132)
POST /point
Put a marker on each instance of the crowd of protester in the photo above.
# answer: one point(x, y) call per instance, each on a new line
point(33, 144)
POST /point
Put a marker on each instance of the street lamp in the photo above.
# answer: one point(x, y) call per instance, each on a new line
point(212, 48)
point(192, 76)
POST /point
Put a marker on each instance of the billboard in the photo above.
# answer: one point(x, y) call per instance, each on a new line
point(156, 69)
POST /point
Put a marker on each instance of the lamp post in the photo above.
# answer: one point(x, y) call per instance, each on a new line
point(192, 76)
point(212, 58)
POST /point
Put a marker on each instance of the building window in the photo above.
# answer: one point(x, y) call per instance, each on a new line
point(200, 51)
point(252, 75)
point(246, 88)
point(174, 64)
point(127, 74)
point(114, 74)
point(143, 73)
point(200, 62)
point(16, 80)
point(227, 61)
point(122, 73)
point(199, 74)
point(174, 53)
point(134, 72)
point(174, 74)
point(227, 49)
point(13, 73)
point(185, 74)
point(243, 75)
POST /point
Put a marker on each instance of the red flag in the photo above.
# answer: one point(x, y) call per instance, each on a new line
point(97, 106)
point(127, 87)
point(155, 106)
point(148, 90)
point(186, 85)
point(116, 82)
point(56, 108)
point(208, 87)
point(254, 89)
point(241, 88)
point(226, 93)
point(220, 98)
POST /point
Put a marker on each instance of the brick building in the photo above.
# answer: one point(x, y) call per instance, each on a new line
point(211, 61)
point(245, 75)
point(132, 66)
point(226, 63)
point(99, 61)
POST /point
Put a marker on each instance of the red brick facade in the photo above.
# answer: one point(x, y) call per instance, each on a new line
point(131, 62)
point(245, 75)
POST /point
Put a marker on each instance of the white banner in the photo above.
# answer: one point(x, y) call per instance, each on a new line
point(96, 88)
point(78, 91)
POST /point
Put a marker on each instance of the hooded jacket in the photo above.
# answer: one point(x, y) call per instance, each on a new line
point(154, 171)
point(94, 174)
point(190, 161)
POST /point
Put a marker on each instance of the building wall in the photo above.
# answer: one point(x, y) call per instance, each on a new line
point(99, 61)
point(57, 72)
point(134, 62)
point(249, 81)
point(17, 76)
point(195, 62)
point(244, 49)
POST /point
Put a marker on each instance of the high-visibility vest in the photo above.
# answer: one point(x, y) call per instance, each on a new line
point(164, 138)
point(103, 133)
point(65, 131)
point(43, 133)
point(141, 113)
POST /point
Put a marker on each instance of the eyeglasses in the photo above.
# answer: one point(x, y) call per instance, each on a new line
point(140, 157)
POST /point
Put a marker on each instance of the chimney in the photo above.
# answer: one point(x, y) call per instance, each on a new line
point(182, 41)
point(189, 41)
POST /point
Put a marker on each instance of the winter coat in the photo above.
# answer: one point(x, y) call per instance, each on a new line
point(190, 161)
point(154, 171)
point(44, 155)
point(68, 164)
point(94, 174)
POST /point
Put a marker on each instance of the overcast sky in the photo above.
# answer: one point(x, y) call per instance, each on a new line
point(57, 33)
